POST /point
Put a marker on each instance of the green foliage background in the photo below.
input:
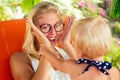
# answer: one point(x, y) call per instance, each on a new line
point(27, 5)
point(115, 9)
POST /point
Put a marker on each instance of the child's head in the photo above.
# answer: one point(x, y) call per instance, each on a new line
point(91, 37)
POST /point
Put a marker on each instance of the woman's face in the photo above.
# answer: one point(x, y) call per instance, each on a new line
point(49, 20)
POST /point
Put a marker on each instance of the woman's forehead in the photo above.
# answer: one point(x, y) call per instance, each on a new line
point(48, 18)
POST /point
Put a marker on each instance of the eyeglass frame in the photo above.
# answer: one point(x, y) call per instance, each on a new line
point(51, 27)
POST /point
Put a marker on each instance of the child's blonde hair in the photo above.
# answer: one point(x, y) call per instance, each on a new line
point(91, 37)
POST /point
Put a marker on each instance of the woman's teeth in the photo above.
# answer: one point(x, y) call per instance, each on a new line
point(51, 39)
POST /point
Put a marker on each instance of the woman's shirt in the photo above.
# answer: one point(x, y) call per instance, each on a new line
point(54, 74)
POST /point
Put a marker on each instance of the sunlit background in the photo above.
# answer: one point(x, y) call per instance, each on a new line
point(14, 9)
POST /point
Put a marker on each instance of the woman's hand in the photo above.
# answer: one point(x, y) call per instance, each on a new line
point(38, 34)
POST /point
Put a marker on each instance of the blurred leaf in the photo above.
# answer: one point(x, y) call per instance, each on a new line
point(114, 56)
point(27, 5)
point(115, 11)
point(117, 28)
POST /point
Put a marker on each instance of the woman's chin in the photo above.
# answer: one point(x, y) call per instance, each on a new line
point(53, 43)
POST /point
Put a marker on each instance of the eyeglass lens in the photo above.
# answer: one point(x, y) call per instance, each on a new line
point(45, 28)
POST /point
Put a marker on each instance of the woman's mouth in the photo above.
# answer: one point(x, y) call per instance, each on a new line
point(51, 39)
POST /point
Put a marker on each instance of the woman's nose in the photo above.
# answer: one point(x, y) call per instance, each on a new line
point(52, 31)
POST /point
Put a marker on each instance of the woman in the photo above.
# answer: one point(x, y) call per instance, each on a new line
point(28, 65)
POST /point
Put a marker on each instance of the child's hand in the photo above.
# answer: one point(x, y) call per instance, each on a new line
point(65, 36)
point(45, 50)
point(38, 34)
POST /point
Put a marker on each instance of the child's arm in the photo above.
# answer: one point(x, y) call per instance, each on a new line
point(65, 38)
point(49, 53)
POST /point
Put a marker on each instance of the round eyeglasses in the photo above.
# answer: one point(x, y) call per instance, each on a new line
point(45, 28)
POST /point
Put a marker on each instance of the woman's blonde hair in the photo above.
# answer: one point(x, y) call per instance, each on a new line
point(31, 45)
point(91, 37)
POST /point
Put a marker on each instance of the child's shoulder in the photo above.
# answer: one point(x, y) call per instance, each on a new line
point(115, 74)
point(114, 70)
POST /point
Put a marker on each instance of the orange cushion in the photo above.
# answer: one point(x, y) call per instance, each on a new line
point(11, 40)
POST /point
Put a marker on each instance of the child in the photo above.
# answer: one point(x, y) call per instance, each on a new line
point(91, 39)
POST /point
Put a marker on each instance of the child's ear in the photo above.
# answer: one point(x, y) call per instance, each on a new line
point(79, 55)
